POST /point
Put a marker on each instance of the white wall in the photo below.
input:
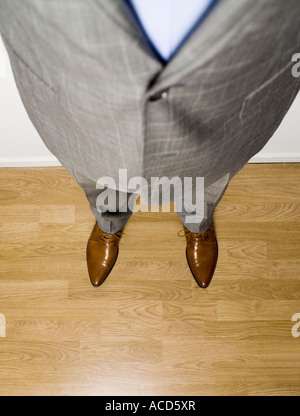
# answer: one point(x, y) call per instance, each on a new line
point(20, 144)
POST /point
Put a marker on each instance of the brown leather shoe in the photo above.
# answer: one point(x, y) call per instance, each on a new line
point(101, 254)
point(202, 255)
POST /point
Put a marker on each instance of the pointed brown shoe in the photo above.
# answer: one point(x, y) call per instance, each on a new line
point(202, 255)
point(101, 254)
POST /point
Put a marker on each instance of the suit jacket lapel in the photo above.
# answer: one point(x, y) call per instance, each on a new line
point(208, 40)
point(119, 12)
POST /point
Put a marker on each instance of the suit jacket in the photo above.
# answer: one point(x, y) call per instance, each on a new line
point(92, 86)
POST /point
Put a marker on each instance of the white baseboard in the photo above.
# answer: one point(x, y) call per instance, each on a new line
point(276, 158)
point(28, 162)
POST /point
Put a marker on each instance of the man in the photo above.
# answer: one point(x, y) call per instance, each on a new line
point(196, 94)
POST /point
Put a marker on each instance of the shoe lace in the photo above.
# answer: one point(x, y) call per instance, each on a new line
point(180, 231)
point(110, 237)
point(195, 236)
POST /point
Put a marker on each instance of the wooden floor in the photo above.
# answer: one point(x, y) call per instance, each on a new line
point(149, 330)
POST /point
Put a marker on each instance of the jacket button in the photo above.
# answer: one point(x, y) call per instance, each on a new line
point(160, 95)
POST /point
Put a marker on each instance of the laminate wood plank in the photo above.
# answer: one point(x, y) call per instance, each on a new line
point(147, 290)
point(40, 329)
point(252, 288)
point(241, 310)
point(19, 213)
point(246, 372)
point(38, 352)
point(18, 232)
point(284, 269)
point(258, 212)
point(274, 389)
point(32, 293)
point(241, 331)
point(58, 214)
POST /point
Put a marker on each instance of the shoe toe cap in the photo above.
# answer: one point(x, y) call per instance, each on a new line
point(98, 278)
point(202, 277)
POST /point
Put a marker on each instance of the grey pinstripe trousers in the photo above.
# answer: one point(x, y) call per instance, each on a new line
point(114, 219)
